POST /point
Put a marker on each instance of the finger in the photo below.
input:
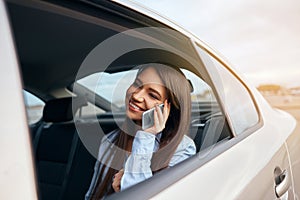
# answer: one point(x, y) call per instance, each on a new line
point(116, 186)
point(119, 174)
point(166, 112)
point(117, 177)
point(156, 121)
point(159, 114)
point(121, 171)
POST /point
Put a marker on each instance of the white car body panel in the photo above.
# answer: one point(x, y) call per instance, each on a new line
point(16, 169)
point(293, 149)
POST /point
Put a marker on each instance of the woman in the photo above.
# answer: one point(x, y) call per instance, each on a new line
point(146, 151)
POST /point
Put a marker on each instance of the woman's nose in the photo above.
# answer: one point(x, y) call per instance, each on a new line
point(138, 96)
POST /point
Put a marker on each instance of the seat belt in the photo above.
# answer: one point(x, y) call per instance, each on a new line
point(38, 135)
point(69, 165)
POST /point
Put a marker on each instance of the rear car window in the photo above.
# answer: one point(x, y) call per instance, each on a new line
point(235, 96)
point(34, 107)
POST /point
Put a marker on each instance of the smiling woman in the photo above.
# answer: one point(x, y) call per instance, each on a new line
point(160, 146)
point(146, 92)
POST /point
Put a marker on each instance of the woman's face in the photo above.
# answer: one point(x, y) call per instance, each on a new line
point(146, 91)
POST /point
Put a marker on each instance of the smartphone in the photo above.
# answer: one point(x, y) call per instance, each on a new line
point(148, 117)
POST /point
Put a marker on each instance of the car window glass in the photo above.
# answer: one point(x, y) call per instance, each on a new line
point(235, 97)
point(89, 110)
point(208, 123)
point(34, 107)
point(201, 90)
point(110, 86)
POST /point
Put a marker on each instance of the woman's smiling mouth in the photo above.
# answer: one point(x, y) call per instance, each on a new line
point(134, 107)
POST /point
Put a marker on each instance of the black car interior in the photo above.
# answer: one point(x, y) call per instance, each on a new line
point(59, 161)
point(52, 39)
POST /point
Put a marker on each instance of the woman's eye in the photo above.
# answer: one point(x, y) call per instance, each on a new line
point(153, 96)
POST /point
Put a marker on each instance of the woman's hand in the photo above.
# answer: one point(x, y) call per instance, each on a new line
point(160, 118)
point(117, 180)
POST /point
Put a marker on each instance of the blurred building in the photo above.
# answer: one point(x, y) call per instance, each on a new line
point(279, 96)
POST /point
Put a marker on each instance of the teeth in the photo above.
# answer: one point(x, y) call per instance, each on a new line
point(134, 106)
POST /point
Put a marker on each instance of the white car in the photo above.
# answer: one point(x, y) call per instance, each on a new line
point(77, 58)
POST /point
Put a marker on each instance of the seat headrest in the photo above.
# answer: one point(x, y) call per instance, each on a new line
point(62, 110)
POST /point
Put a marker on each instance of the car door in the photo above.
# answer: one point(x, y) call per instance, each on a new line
point(16, 170)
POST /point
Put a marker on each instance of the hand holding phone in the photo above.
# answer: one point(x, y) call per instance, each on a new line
point(148, 117)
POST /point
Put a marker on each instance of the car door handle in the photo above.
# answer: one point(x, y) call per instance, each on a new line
point(282, 182)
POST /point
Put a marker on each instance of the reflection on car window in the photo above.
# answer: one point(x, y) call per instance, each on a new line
point(110, 86)
point(202, 91)
point(34, 107)
point(208, 124)
point(235, 96)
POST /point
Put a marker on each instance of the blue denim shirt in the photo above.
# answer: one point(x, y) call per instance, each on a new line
point(137, 166)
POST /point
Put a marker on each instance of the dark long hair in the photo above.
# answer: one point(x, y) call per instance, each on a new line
point(177, 125)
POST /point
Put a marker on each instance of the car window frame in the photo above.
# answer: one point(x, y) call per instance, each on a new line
point(166, 178)
point(225, 65)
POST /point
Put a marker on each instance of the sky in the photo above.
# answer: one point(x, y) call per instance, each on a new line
point(260, 38)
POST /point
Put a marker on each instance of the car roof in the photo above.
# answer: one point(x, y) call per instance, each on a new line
point(155, 15)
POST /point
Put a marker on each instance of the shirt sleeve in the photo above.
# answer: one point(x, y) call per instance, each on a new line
point(184, 150)
point(138, 165)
